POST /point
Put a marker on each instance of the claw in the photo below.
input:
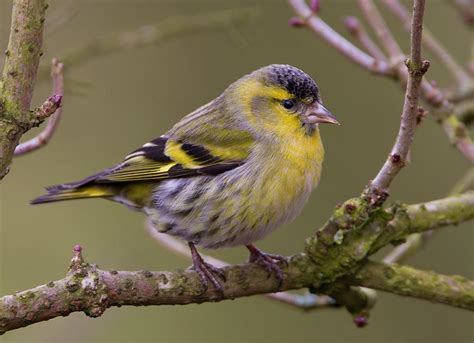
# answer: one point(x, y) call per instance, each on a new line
point(268, 261)
point(207, 272)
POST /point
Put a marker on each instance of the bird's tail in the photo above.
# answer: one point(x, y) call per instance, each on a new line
point(58, 193)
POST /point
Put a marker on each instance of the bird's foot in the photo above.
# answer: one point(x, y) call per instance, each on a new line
point(207, 272)
point(268, 261)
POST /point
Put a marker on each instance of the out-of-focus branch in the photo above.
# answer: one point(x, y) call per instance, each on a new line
point(386, 39)
point(466, 10)
point(153, 34)
point(361, 35)
point(418, 240)
point(318, 26)
point(465, 112)
point(455, 130)
point(443, 110)
point(416, 68)
point(54, 113)
point(465, 183)
point(19, 74)
point(430, 41)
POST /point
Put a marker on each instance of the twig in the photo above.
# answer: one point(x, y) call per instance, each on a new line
point(431, 43)
point(306, 302)
point(386, 39)
point(318, 26)
point(459, 136)
point(417, 68)
point(456, 131)
point(54, 112)
point(466, 10)
point(361, 35)
point(465, 112)
point(464, 184)
point(19, 75)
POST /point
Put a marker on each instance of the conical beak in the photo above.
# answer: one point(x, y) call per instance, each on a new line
point(317, 114)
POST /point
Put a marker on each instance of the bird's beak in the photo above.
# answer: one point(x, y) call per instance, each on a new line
point(317, 113)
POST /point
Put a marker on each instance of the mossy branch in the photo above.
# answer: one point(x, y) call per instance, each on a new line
point(19, 75)
point(454, 290)
point(330, 265)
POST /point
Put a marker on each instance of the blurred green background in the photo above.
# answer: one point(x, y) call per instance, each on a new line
point(115, 103)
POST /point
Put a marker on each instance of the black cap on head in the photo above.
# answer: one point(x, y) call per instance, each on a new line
point(296, 81)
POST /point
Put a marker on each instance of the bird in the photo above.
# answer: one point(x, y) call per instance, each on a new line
point(228, 173)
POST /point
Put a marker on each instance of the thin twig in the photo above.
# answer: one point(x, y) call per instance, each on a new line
point(318, 26)
point(306, 302)
point(386, 39)
point(465, 9)
point(54, 113)
point(361, 35)
point(417, 68)
point(431, 43)
point(442, 111)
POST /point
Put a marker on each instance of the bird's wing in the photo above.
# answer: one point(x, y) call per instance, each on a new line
point(205, 142)
point(165, 158)
point(174, 157)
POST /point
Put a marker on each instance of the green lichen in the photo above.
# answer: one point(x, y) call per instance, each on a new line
point(339, 236)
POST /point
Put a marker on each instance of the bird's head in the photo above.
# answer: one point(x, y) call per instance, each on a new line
point(283, 98)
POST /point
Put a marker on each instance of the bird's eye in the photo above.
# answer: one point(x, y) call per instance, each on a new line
point(288, 104)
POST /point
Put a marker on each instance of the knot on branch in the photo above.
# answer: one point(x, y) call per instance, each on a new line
point(296, 22)
point(84, 284)
point(374, 196)
point(46, 109)
point(344, 241)
point(415, 69)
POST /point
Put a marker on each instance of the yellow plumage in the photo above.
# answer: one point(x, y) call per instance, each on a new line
point(229, 172)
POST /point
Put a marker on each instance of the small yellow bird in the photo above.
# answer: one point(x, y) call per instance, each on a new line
point(228, 173)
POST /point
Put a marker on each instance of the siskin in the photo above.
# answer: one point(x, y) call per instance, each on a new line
point(228, 173)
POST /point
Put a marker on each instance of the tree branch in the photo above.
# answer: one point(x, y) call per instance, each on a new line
point(361, 35)
point(306, 302)
point(318, 26)
point(386, 39)
point(19, 75)
point(416, 68)
point(92, 290)
point(418, 240)
point(455, 290)
point(431, 43)
point(53, 110)
point(466, 10)
point(443, 111)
